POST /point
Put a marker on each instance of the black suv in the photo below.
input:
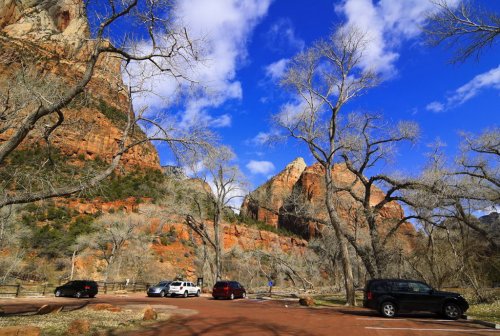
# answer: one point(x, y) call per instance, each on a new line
point(390, 296)
point(77, 288)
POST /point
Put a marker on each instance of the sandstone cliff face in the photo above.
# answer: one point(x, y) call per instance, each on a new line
point(264, 203)
point(305, 192)
point(52, 37)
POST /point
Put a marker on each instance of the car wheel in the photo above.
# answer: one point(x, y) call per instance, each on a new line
point(198, 293)
point(57, 293)
point(231, 297)
point(92, 296)
point(452, 311)
point(388, 309)
point(78, 295)
point(162, 294)
point(244, 295)
point(185, 294)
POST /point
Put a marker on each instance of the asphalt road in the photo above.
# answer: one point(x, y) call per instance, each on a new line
point(263, 317)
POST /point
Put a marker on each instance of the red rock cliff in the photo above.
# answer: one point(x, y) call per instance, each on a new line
point(305, 186)
point(52, 38)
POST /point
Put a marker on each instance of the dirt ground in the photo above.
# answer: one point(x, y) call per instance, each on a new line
point(262, 317)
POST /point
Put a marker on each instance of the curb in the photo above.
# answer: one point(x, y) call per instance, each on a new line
point(483, 323)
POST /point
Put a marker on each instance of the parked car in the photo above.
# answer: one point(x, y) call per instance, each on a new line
point(228, 290)
point(160, 289)
point(391, 296)
point(78, 289)
point(184, 288)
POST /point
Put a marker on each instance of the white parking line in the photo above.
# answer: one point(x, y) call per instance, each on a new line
point(432, 329)
point(404, 319)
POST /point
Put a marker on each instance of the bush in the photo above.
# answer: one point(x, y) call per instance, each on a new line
point(265, 227)
point(139, 184)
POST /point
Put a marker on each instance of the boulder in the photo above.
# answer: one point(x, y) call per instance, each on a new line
point(150, 314)
point(307, 301)
point(79, 327)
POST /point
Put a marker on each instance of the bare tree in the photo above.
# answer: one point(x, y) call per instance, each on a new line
point(113, 233)
point(368, 142)
point(324, 78)
point(467, 28)
point(34, 100)
point(226, 184)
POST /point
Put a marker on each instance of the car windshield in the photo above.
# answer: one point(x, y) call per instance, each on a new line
point(177, 283)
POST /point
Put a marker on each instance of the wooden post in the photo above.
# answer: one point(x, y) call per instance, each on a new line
point(18, 290)
point(43, 291)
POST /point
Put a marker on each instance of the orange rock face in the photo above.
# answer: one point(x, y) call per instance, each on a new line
point(307, 189)
point(272, 194)
point(54, 38)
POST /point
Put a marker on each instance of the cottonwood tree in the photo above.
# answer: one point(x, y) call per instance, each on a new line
point(114, 232)
point(226, 184)
point(449, 200)
point(466, 28)
point(34, 101)
point(324, 78)
point(367, 142)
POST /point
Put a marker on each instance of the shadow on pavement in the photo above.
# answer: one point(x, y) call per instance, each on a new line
point(222, 327)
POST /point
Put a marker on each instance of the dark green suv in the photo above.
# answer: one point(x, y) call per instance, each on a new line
point(391, 296)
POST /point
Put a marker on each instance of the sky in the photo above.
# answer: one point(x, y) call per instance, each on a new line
point(248, 44)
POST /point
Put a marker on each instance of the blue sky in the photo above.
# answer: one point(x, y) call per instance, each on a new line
point(250, 41)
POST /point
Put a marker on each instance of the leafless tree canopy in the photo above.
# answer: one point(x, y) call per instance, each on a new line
point(323, 79)
point(466, 28)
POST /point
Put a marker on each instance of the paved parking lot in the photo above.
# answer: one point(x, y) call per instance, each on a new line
point(260, 317)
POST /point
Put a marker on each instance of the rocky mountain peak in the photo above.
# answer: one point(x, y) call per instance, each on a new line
point(55, 21)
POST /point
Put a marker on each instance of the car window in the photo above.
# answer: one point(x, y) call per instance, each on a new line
point(176, 283)
point(220, 284)
point(418, 287)
point(379, 286)
point(401, 286)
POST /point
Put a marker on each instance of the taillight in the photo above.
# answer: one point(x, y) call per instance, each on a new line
point(369, 295)
point(181, 287)
point(87, 287)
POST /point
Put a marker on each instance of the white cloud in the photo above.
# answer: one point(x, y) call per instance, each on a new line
point(486, 80)
point(281, 37)
point(261, 138)
point(276, 70)
point(222, 29)
point(489, 79)
point(387, 24)
point(435, 106)
point(260, 167)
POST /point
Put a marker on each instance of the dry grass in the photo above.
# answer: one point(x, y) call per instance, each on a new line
point(57, 323)
point(486, 311)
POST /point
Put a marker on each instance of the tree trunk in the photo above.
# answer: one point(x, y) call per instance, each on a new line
point(72, 265)
point(218, 243)
point(344, 251)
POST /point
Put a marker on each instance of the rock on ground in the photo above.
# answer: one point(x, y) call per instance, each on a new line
point(79, 327)
point(306, 301)
point(150, 314)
